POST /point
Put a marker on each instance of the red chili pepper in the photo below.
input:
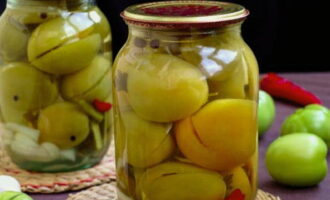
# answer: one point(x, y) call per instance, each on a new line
point(236, 195)
point(280, 87)
point(102, 106)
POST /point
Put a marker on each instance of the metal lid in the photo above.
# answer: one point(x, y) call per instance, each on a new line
point(184, 14)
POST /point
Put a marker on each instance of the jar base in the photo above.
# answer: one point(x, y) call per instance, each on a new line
point(58, 167)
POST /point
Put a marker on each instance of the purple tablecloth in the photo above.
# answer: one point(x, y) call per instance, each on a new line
point(319, 83)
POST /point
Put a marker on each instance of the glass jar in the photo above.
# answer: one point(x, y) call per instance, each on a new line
point(185, 102)
point(55, 84)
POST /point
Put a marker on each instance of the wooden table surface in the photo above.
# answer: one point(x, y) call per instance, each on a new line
point(319, 83)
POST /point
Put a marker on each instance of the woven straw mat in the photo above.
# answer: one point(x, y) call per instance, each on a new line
point(108, 192)
point(33, 182)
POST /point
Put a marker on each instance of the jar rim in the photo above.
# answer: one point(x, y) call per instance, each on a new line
point(184, 14)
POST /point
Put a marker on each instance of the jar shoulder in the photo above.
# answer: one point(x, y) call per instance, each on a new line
point(217, 49)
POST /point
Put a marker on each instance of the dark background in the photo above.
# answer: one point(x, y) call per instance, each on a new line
point(286, 35)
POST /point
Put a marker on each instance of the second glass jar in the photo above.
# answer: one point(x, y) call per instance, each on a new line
point(55, 84)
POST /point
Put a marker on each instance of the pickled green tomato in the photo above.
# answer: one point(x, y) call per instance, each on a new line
point(251, 62)
point(61, 46)
point(49, 36)
point(217, 56)
point(222, 62)
point(64, 59)
point(125, 62)
point(31, 16)
point(63, 124)
point(92, 82)
point(297, 160)
point(102, 90)
point(58, 31)
point(101, 24)
point(182, 181)
point(243, 81)
point(266, 112)
point(212, 139)
point(13, 39)
point(233, 87)
point(157, 93)
point(313, 119)
point(145, 143)
point(24, 89)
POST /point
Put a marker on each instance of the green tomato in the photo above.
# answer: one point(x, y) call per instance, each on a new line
point(63, 124)
point(297, 160)
point(311, 119)
point(266, 112)
point(14, 195)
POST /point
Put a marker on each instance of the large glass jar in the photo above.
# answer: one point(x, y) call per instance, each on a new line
point(55, 84)
point(185, 102)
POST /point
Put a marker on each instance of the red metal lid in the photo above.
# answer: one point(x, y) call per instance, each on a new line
point(184, 14)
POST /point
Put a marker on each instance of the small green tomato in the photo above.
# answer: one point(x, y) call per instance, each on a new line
point(313, 118)
point(266, 112)
point(297, 160)
point(11, 195)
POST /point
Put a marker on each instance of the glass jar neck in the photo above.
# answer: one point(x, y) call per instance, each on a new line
point(136, 31)
point(62, 4)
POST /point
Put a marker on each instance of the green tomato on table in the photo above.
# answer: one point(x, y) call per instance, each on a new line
point(10, 195)
point(313, 119)
point(297, 160)
point(266, 112)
